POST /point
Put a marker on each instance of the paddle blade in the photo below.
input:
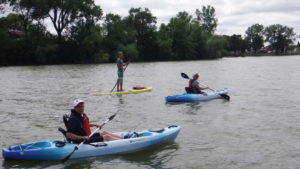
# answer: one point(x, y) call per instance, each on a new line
point(185, 76)
point(225, 96)
point(112, 117)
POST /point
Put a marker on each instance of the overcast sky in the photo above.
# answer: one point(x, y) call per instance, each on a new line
point(234, 16)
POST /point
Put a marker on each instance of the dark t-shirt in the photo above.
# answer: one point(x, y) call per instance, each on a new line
point(75, 126)
point(120, 63)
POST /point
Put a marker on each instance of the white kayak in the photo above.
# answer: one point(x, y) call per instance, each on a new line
point(58, 149)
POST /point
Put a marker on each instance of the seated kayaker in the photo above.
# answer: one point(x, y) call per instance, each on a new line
point(78, 127)
point(194, 86)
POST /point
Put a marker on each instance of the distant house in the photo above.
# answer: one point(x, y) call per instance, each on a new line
point(297, 49)
point(16, 34)
point(267, 49)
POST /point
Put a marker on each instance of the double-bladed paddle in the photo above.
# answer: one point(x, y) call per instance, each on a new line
point(225, 96)
point(77, 147)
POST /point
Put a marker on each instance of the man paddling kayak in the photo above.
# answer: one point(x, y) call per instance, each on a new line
point(194, 86)
point(121, 68)
point(78, 127)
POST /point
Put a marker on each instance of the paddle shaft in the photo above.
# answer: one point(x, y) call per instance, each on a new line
point(77, 147)
point(117, 80)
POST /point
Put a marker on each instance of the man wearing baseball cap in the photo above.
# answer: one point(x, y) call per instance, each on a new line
point(78, 127)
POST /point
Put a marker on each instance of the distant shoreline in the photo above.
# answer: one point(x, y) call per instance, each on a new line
point(83, 63)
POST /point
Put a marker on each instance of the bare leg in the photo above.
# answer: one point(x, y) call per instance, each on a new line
point(121, 86)
point(118, 85)
point(105, 133)
point(109, 138)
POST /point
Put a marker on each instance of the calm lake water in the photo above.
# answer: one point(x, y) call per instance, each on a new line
point(259, 128)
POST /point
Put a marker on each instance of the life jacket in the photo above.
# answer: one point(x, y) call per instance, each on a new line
point(86, 124)
point(190, 88)
point(190, 83)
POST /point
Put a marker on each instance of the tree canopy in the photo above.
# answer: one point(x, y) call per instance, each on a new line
point(279, 37)
point(84, 35)
point(255, 37)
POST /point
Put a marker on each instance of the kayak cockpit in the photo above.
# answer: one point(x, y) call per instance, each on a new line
point(30, 146)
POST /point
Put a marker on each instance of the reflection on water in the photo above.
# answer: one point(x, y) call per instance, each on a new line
point(79, 163)
point(190, 108)
point(155, 158)
point(121, 100)
point(257, 128)
point(8, 164)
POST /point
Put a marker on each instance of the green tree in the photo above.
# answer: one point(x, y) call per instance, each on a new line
point(11, 21)
point(180, 33)
point(236, 44)
point(88, 39)
point(255, 37)
point(144, 25)
point(216, 46)
point(64, 13)
point(198, 40)
point(15, 49)
point(207, 19)
point(279, 37)
point(118, 36)
point(25, 9)
point(2, 6)
point(164, 43)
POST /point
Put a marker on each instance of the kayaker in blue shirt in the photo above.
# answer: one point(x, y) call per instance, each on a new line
point(78, 126)
point(121, 68)
point(194, 85)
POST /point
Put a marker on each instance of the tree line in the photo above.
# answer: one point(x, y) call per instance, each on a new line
point(85, 35)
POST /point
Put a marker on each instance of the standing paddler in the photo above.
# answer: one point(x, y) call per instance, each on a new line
point(121, 68)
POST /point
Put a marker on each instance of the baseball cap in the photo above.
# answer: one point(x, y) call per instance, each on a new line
point(77, 101)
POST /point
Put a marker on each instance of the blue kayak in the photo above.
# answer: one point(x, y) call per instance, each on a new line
point(187, 97)
point(58, 149)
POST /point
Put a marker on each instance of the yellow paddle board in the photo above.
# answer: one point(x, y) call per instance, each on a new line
point(130, 91)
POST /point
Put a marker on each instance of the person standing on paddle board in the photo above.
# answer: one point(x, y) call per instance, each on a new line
point(194, 85)
point(121, 68)
point(78, 127)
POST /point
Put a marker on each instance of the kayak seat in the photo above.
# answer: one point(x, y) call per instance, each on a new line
point(66, 119)
point(63, 131)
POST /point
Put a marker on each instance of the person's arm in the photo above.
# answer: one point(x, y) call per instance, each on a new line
point(96, 125)
point(72, 136)
point(203, 87)
point(126, 63)
point(200, 87)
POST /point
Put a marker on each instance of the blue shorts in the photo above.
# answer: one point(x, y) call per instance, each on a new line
point(120, 76)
